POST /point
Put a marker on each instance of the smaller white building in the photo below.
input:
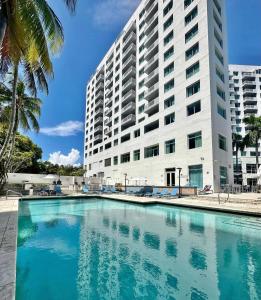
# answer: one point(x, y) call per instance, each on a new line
point(245, 100)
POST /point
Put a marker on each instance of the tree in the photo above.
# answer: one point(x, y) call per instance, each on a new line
point(239, 144)
point(28, 30)
point(254, 135)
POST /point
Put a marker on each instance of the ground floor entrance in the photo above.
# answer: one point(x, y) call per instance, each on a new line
point(170, 177)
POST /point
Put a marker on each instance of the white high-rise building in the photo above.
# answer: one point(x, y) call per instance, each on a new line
point(159, 99)
point(245, 100)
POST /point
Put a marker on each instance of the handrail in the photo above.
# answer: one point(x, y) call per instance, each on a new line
point(16, 193)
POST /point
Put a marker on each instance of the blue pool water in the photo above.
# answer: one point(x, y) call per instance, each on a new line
point(99, 249)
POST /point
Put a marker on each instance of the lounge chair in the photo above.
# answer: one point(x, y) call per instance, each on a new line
point(156, 192)
point(164, 193)
point(207, 190)
point(174, 192)
point(85, 189)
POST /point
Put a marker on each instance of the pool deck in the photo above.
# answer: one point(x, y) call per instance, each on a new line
point(247, 204)
point(8, 236)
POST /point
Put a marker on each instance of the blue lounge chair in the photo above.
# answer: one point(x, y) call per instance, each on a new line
point(85, 189)
point(58, 190)
point(165, 192)
point(113, 190)
point(156, 192)
point(174, 192)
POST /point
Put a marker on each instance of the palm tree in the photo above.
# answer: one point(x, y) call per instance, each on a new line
point(28, 30)
point(27, 110)
point(238, 144)
point(254, 135)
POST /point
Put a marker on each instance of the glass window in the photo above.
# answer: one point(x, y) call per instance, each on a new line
point(107, 162)
point(168, 53)
point(192, 70)
point(219, 56)
point(217, 6)
point(151, 151)
point(221, 93)
point(125, 158)
point(168, 8)
point(193, 89)
point(168, 22)
point(115, 160)
point(191, 15)
point(221, 111)
point(136, 155)
point(136, 133)
point(223, 175)
point(220, 74)
point(141, 109)
point(196, 176)
point(170, 119)
point(169, 85)
point(170, 146)
point(169, 102)
point(222, 142)
point(195, 140)
point(192, 51)
point(168, 38)
point(191, 33)
point(187, 3)
point(169, 69)
point(218, 38)
point(193, 108)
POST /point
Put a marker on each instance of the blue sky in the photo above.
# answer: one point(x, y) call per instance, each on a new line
point(88, 36)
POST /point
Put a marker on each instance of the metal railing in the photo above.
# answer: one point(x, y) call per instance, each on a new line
point(14, 192)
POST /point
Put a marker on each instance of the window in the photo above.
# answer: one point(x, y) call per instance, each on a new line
point(108, 146)
point(190, 34)
point(151, 151)
point(141, 71)
point(168, 53)
point(170, 146)
point(223, 175)
point(141, 84)
point(168, 38)
point(192, 70)
point(217, 6)
point(194, 140)
point(169, 85)
point(218, 38)
point(125, 158)
point(115, 142)
point(220, 75)
point(151, 126)
point(190, 16)
point(141, 96)
point(221, 93)
point(251, 169)
point(192, 51)
point(141, 108)
point(218, 22)
point(187, 3)
point(222, 142)
point(168, 22)
point(136, 133)
point(196, 176)
point(193, 89)
point(136, 155)
point(125, 138)
point(221, 111)
point(169, 69)
point(169, 102)
point(115, 160)
point(170, 119)
point(107, 162)
point(193, 108)
point(168, 8)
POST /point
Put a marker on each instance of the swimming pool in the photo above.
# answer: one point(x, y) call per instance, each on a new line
point(101, 249)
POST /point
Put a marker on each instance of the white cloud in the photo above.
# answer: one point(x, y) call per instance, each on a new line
point(71, 159)
point(64, 129)
point(111, 12)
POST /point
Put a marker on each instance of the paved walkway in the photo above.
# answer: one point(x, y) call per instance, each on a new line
point(8, 234)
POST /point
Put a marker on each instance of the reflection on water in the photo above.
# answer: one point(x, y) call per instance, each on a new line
point(108, 250)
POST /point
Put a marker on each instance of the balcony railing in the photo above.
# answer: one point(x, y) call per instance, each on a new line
point(130, 38)
point(108, 121)
point(98, 128)
point(129, 72)
point(151, 62)
point(131, 59)
point(152, 105)
point(128, 107)
point(151, 91)
point(131, 94)
point(98, 137)
point(129, 119)
point(151, 76)
point(130, 83)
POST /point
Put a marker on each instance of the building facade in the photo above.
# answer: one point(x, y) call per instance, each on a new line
point(245, 100)
point(159, 99)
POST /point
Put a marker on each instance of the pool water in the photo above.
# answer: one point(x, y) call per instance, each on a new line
point(101, 249)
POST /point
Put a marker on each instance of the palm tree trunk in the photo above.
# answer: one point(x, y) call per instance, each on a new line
point(237, 164)
point(13, 116)
point(3, 24)
point(257, 155)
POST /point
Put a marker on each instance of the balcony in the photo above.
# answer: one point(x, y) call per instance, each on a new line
point(108, 102)
point(99, 112)
point(98, 129)
point(151, 37)
point(152, 64)
point(129, 108)
point(129, 51)
point(130, 119)
point(248, 76)
point(108, 122)
point(152, 23)
point(108, 93)
point(98, 121)
point(98, 104)
point(130, 61)
point(152, 78)
point(152, 92)
point(108, 131)
point(131, 95)
point(249, 92)
point(100, 87)
point(97, 138)
point(109, 74)
point(131, 38)
point(148, 3)
point(152, 106)
point(108, 112)
point(131, 72)
point(250, 109)
point(131, 83)
point(99, 95)
point(250, 100)
point(100, 78)
point(249, 83)
point(152, 50)
point(151, 11)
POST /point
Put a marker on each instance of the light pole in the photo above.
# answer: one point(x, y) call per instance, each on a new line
point(179, 182)
point(125, 174)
